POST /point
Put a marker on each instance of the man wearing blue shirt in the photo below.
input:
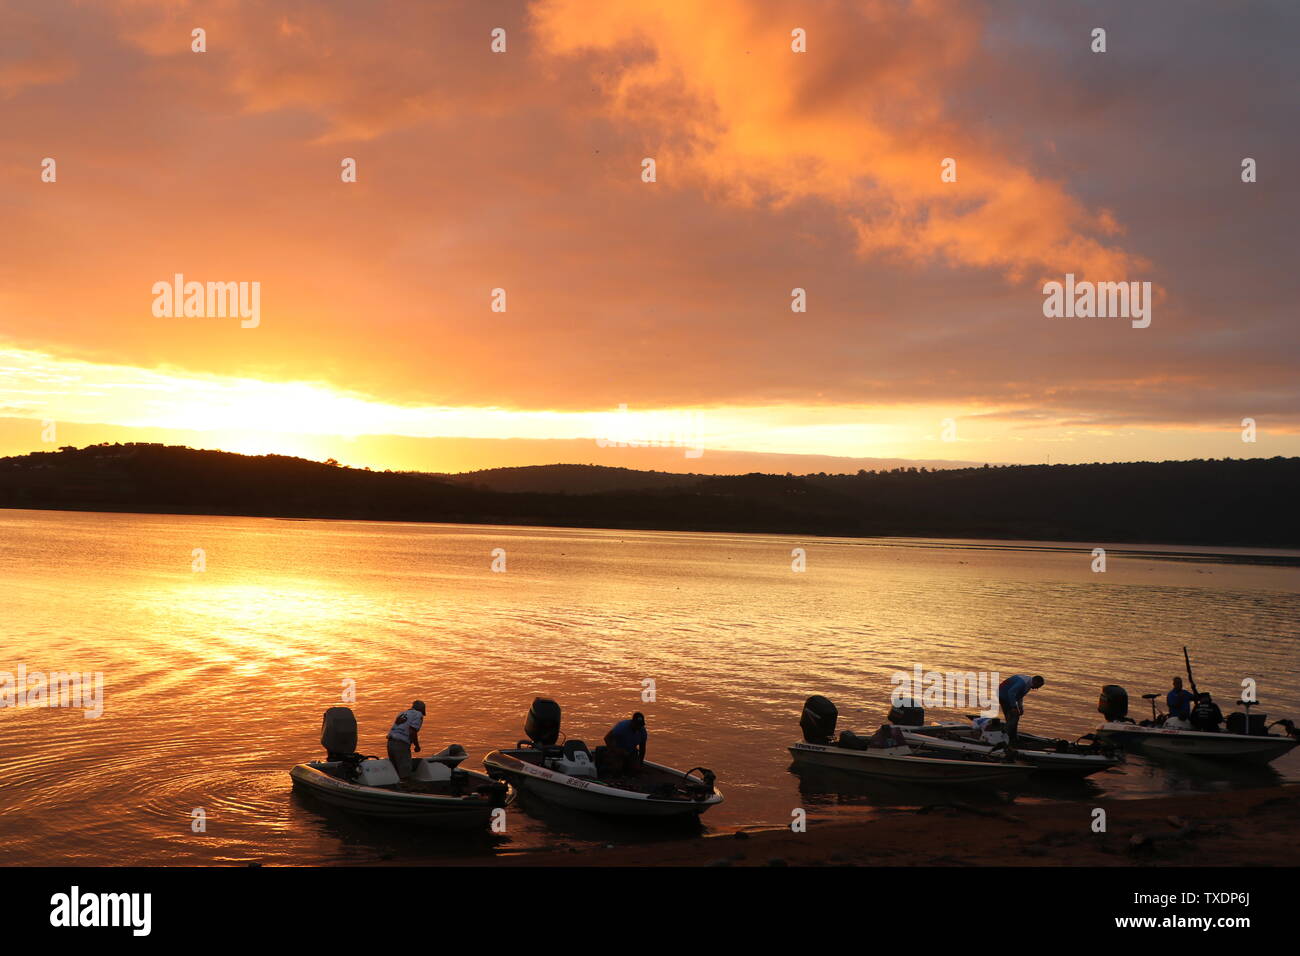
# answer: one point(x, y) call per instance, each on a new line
point(1011, 695)
point(1179, 701)
point(625, 745)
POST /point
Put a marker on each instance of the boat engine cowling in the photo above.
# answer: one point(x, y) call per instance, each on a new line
point(543, 724)
point(818, 720)
point(1113, 702)
point(338, 732)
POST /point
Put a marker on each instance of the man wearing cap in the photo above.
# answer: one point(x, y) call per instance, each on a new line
point(405, 735)
point(625, 745)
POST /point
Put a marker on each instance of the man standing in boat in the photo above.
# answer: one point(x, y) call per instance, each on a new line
point(625, 745)
point(404, 735)
point(1011, 695)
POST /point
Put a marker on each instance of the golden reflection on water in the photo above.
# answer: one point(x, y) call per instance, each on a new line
point(215, 681)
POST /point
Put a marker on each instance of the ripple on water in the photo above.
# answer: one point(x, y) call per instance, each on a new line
point(214, 683)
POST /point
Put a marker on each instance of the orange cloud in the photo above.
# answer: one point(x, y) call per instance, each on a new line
point(725, 100)
point(776, 170)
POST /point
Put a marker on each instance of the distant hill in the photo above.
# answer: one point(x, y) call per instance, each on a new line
point(1232, 502)
point(571, 479)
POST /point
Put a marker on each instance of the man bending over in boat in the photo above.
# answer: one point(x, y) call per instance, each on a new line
point(405, 735)
point(1179, 701)
point(625, 745)
point(1011, 695)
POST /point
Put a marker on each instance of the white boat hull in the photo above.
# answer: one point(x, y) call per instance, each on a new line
point(1046, 761)
point(442, 811)
point(1242, 748)
point(902, 763)
point(592, 796)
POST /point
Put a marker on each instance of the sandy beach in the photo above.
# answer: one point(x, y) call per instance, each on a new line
point(1236, 828)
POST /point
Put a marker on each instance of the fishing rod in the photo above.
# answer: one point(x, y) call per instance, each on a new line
point(1190, 679)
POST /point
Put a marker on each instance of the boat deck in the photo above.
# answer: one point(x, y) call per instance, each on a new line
point(650, 779)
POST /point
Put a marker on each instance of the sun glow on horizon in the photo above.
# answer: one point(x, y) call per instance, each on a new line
point(259, 417)
point(318, 420)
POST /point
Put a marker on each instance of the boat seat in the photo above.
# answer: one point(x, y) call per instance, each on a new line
point(851, 741)
point(377, 773)
point(572, 747)
point(576, 760)
point(452, 756)
point(431, 770)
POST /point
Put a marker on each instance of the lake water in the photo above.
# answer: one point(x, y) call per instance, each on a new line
point(215, 681)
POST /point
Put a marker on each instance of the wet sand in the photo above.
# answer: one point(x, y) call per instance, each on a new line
point(1233, 828)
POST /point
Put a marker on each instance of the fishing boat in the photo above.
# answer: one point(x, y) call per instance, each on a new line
point(1059, 758)
point(887, 754)
point(436, 794)
point(1247, 739)
point(573, 776)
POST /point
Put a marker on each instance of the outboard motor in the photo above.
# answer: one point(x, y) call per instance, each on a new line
point(1113, 702)
point(542, 728)
point(338, 733)
point(818, 720)
point(907, 713)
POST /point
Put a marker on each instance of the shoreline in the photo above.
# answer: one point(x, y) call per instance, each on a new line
point(1230, 828)
point(1258, 555)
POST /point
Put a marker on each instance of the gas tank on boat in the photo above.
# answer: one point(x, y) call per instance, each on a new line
point(543, 724)
point(818, 720)
point(338, 732)
point(1113, 702)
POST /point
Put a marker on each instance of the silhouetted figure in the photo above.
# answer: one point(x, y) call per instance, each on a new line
point(404, 735)
point(625, 745)
point(1011, 695)
point(1179, 701)
point(1206, 715)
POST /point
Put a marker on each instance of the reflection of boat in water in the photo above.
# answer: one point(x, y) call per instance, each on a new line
point(1247, 738)
point(829, 787)
point(573, 776)
point(437, 793)
point(886, 755)
point(1172, 772)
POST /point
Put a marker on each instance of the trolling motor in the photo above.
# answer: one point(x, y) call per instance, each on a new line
point(1287, 725)
point(704, 787)
point(1157, 719)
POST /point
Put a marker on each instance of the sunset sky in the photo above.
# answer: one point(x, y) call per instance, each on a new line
point(924, 335)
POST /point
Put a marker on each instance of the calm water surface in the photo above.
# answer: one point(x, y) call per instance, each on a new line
point(215, 681)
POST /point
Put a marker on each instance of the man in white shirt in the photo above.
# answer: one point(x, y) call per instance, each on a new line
point(404, 735)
